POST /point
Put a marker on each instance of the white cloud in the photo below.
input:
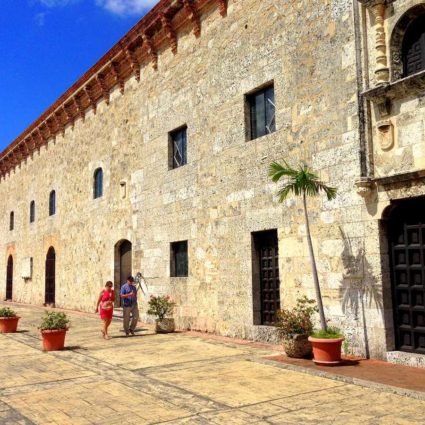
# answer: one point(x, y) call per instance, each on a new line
point(56, 3)
point(125, 7)
point(40, 19)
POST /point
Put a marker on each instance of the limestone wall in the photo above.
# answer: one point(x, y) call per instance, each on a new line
point(223, 193)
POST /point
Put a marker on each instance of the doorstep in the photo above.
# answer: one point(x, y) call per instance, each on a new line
point(406, 359)
point(379, 374)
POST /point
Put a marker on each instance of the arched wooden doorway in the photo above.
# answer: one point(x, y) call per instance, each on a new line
point(123, 266)
point(406, 234)
point(9, 278)
point(50, 280)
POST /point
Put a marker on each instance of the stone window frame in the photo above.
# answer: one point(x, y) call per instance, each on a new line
point(173, 259)
point(98, 183)
point(32, 211)
point(248, 111)
point(11, 220)
point(397, 38)
point(172, 162)
point(52, 203)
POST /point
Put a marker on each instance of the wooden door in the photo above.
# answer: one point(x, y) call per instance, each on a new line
point(269, 288)
point(9, 278)
point(50, 280)
point(407, 244)
point(125, 264)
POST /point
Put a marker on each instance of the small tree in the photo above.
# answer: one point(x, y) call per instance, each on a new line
point(303, 182)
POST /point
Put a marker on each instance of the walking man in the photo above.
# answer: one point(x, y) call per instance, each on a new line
point(130, 308)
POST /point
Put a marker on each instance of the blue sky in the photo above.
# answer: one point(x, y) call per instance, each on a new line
point(46, 45)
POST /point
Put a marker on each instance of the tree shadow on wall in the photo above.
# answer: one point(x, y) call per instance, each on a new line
point(359, 289)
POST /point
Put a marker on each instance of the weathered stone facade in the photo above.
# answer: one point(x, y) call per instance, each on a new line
point(322, 60)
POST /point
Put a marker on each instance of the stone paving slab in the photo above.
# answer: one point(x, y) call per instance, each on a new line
point(173, 379)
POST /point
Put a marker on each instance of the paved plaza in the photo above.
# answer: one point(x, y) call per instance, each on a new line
point(172, 379)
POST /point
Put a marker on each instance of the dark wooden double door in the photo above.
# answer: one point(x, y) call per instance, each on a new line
point(407, 244)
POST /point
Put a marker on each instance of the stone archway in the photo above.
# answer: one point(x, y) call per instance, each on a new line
point(9, 278)
point(123, 266)
point(397, 37)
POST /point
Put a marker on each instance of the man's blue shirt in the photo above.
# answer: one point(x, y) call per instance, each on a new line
point(128, 289)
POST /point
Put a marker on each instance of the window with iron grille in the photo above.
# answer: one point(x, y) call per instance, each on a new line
point(52, 203)
point(12, 220)
point(261, 112)
point(32, 212)
point(178, 147)
point(179, 259)
point(98, 183)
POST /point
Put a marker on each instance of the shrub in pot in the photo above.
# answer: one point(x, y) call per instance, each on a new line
point(162, 306)
point(327, 346)
point(295, 326)
point(53, 327)
point(8, 320)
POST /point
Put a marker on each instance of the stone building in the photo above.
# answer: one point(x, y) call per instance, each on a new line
point(156, 161)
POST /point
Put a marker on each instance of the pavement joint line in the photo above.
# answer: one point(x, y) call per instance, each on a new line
point(194, 363)
point(25, 388)
point(18, 415)
point(418, 395)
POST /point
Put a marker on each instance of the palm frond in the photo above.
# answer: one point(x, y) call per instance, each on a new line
point(299, 181)
point(277, 171)
point(284, 191)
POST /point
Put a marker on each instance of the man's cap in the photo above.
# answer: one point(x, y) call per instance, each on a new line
point(130, 278)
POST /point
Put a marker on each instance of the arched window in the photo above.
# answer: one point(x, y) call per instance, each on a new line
point(12, 220)
point(52, 203)
point(32, 212)
point(413, 50)
point(98, 183)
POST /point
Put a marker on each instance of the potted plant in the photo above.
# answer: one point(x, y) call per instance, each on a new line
point(162, 306)
point(8, 320)
point(304, 182)
point(295, 326)
point(53, 329)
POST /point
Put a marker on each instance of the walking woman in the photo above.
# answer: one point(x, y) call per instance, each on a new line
point(106, 301)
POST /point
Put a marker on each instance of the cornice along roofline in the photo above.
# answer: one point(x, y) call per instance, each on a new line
point(122, 61)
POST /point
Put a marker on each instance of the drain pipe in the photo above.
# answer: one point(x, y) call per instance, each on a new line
point(360, 101)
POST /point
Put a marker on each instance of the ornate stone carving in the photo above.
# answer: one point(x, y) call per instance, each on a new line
point(169, 32)
point(150, 48)
point(222, 5)
point(134, 63)
point(382, 71)
point(365, 187)
point(385, 131)
point(193, 16)
point(105, 91)
point(115, 71)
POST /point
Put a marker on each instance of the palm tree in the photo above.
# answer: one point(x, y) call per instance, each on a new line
point(303, 182)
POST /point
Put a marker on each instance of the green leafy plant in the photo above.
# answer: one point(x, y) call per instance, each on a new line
point(330, 333)
point(54, 320)
point(7, 312)
point(298, 320)
point(161, 306)
point(303, 182)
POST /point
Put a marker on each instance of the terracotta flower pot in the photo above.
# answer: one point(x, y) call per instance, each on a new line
point(53, 339)
point(165, 326)
point(297, 346)
point(8, 324)
point(326, 352)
